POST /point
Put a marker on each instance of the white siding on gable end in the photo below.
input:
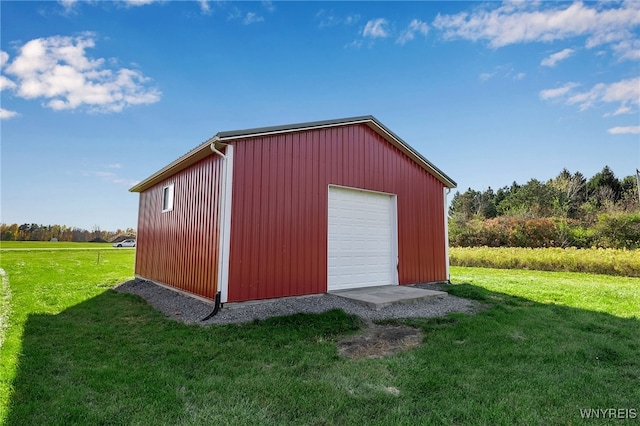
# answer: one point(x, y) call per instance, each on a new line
point(362, 239)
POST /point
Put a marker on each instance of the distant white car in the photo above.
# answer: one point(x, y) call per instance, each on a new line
point(125, 243)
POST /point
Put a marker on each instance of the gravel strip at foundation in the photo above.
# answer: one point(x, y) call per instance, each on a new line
point(191, 310)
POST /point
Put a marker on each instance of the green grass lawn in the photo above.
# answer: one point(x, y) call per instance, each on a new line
point(548, 345)
point(29, 245)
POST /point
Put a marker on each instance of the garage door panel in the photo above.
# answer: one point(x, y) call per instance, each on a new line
point(361, 239)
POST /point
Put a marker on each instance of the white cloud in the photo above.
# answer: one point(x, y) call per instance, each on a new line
point(351, 19)
point(486, 76)
point(235, 13)
point(628, 50)
point(624, 109)
point(268, 6)
point(355, 44)
point(58, 70)
point(587, 99)
point(110, 177)
point(6, 114)
point(557, 92)
point(6, 84)
point(553, 59)
point(376, 28)
point(204, 6)
point(113, 166)
point(100, 173)
point(68, 4)
point(505, 71)
point(4, 58)
point(252, 18)
point(328, 19)
point(415, 27)
point(524, 22)
point(625, 93)
point(139, 2)
point(626, 130)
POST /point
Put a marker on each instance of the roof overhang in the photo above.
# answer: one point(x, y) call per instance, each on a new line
point(221, 139)
point(190, 158)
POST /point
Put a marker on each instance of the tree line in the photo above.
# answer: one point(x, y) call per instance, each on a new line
point(568, 210)
point(36, 232)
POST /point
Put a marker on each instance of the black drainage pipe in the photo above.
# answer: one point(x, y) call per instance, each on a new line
point(216, 308)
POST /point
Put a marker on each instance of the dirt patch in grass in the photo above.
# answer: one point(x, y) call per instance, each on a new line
point(380, 340)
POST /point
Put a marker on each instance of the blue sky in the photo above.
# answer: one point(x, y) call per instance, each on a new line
point(99, 95)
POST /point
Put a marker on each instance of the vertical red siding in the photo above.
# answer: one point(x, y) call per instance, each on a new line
point(279, 209)
point(180, 247)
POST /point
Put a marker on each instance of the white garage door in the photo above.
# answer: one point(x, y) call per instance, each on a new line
point(362, 241)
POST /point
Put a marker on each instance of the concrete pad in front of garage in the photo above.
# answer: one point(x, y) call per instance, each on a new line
point(381, 296)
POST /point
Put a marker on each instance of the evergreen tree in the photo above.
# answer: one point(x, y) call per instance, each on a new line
point(604, 186)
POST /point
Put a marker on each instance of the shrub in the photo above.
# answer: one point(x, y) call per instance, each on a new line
point(572, 234)
point(505, 231)
point(611, 230)
point(618, 230)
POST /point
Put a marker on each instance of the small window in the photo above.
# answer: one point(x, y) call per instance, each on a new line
point(167, 198)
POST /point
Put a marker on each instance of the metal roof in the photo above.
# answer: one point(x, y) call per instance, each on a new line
point(202, 150)
point(294, 127)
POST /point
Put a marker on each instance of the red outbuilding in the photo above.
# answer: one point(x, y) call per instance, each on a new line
point(291, 210)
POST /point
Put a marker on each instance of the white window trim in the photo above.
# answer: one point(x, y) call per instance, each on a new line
point(170, 189)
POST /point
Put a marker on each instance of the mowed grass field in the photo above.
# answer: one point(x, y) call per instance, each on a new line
point(31, 245)
point(548, 347)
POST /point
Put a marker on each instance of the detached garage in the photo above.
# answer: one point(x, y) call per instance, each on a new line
point(292, 210)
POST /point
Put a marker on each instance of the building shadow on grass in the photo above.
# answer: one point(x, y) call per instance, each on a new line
point(115, 360)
